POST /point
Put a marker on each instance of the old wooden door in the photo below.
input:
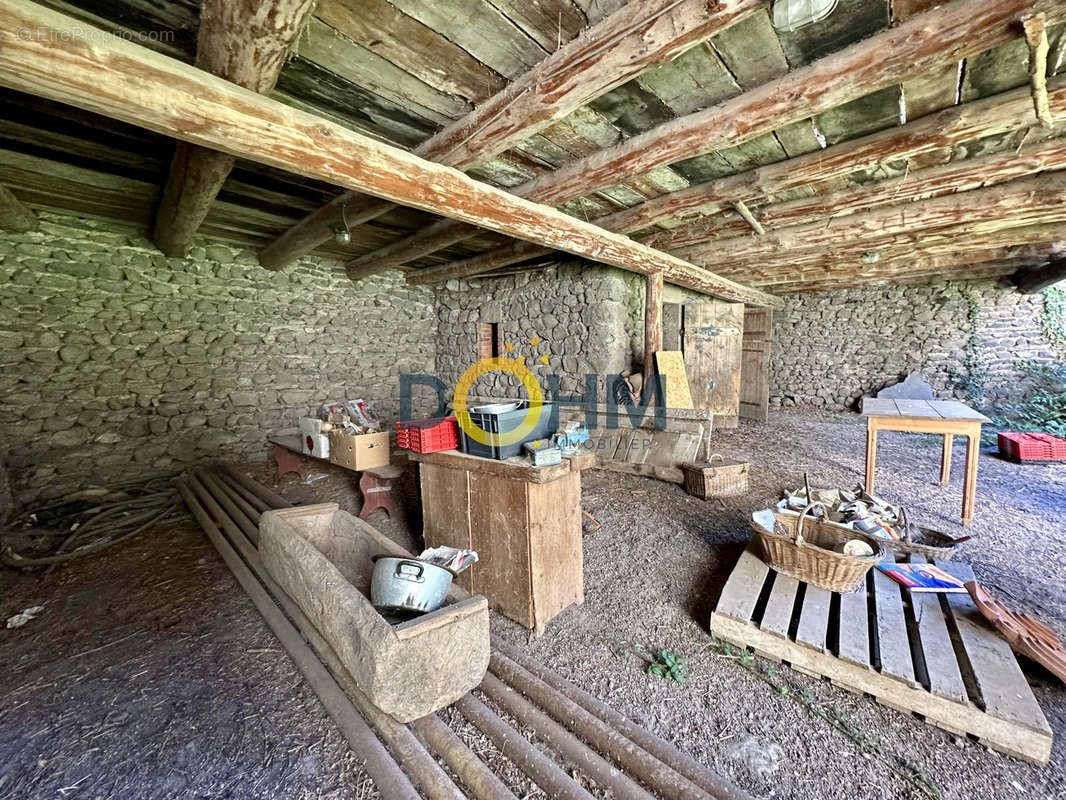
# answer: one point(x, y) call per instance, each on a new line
point(713, 337)
point(755, 363)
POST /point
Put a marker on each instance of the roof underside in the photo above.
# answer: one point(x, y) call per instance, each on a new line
point(400, 70)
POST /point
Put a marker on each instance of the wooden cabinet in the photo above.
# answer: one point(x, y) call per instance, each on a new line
point(523, 521)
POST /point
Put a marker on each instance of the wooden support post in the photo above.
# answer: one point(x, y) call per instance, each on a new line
point(14, 216)
point(129, 82)
point(245, 42)
point(653, 322)
point(1034, 281)
point(1036, 36)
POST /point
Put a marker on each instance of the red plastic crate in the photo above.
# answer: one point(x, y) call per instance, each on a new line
point(1032, 446)
point(428, 435)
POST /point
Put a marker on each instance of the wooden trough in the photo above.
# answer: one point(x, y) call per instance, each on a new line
point(321, 556)
point(934, 656)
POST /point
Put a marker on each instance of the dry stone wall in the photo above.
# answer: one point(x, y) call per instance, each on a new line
point(964, 337)
point(116, 361)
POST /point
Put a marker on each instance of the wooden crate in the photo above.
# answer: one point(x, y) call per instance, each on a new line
point(913, 652)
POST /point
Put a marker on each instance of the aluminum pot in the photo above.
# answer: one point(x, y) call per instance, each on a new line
point(407, 584)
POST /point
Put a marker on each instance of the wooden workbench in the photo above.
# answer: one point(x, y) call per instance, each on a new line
point(946, 417)
point(523, 521)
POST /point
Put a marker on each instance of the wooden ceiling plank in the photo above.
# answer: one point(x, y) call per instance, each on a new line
point(551, 23)
point(926, 41)
point(246, 43)
point(120, 79)
point(383, 29)
point(932, 134)
point(602, 57)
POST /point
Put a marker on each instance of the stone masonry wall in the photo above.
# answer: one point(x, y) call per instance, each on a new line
point(585, 318)
point(117, 362)
point(832, 348)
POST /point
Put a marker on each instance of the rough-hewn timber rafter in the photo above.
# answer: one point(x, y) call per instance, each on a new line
point(926, 41)
point(245, 42)
point(126, 81)
point(632, 39)
point(991, 116)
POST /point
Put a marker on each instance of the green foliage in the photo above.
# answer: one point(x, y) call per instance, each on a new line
point(663, 663)
point(1044, 406)
point(921, 783)
point(1053, 318)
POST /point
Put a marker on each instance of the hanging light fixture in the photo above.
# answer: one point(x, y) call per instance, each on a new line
point(790, 15)
point(343, 235)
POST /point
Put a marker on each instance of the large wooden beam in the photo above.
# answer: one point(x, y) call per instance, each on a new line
point(989, 117)
point(957, 176)
point(1028, 201)
point(1033, 281)
point(14, 216)
point(119, 79)
point(924, 42)
point(653, 322)
point(632, 39)
point(245, 42)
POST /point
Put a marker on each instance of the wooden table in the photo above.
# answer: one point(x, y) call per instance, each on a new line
point(523, 521)
point(946, 417)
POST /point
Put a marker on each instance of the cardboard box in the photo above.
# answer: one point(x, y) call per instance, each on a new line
point(359, 451)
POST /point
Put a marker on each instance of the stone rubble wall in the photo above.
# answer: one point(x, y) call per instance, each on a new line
point(117, 362)
point(583, 317)
point(832, 348)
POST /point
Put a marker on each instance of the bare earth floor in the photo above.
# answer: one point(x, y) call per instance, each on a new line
point(151, 675)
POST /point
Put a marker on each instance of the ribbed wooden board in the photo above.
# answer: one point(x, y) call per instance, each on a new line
point(935, 656)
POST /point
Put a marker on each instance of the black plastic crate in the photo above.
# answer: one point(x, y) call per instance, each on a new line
point(547, 424)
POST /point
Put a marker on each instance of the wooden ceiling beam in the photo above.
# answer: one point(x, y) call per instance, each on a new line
point(123, 80)
point(14, 216)
point(1026, 201)
point(606, 55)
point(926, 41)
point(988, 117)
point(245, 42)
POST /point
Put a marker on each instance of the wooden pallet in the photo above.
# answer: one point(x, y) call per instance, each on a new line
point(933, 655)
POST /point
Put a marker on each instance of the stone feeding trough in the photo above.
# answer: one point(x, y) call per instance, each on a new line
point(322, 558)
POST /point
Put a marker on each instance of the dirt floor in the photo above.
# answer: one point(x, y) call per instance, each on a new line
point(150, 674)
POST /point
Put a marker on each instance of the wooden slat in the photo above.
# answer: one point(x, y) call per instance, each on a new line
point(1005, 693)
point(777, 616)
point(604, 56)
point(879, 407)
point(741, 591)
point(917, 408)
point(755, 364)
point(941, 663)
point(713, 338)
point(893, 644)
point(165, 95)
point(814, 618)
point(853, 644)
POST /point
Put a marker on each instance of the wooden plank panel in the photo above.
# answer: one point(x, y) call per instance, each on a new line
point(854, 628)
point(755, 364)
point(814, 618)
point(777, 616)
point(879, 407)
point(893, 644)
point(916, 408)
point(941, 663)
point(499, 534)
point(1004, 690)
point(741, 591)
point(713, 341)
point(446, 513)
point(555, 551)
point(672, 326)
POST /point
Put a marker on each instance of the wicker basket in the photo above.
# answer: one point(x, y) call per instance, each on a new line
point(933, 544)
point(808, 550)
point(716, 477)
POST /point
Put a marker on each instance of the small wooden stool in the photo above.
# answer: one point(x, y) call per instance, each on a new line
point(376, 486)
point(286, 459)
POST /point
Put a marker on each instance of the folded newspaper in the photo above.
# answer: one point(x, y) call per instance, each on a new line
point(450, 557)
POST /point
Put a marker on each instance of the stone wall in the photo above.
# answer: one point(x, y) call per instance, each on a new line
point(116, 362)
point(832, 348)
point(584, 318)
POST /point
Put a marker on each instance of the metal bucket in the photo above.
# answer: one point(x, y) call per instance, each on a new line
point(407, 584)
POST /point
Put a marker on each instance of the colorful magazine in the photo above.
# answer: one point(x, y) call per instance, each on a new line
point(922, 578)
